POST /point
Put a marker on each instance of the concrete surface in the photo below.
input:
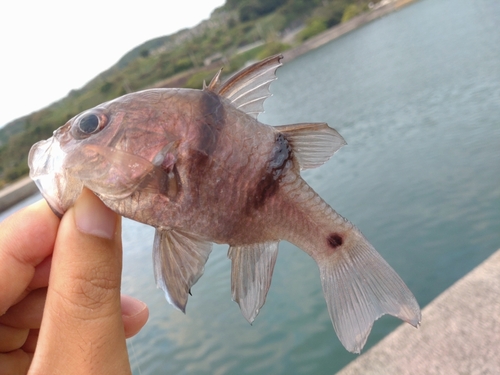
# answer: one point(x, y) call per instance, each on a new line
point(459, 334)
point(16, 192)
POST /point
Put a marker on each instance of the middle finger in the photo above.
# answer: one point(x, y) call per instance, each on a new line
point(28, 312)
point(12, 338)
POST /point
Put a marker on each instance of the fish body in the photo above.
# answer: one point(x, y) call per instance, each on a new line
point(199, 167)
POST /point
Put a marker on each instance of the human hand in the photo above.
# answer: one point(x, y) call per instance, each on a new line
point(85, 322)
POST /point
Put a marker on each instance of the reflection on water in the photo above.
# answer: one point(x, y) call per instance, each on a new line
point(416, 95)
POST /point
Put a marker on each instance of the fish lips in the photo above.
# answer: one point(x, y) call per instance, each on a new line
point(46, 163)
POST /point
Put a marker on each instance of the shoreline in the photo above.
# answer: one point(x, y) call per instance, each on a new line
point(25, 187)
point(344, 28)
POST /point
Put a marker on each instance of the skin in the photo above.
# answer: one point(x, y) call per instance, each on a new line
point(69, 271)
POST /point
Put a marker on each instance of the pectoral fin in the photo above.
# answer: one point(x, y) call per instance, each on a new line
point(179, 261)
point(251, 273)
point(312, 143)
point(360, 287)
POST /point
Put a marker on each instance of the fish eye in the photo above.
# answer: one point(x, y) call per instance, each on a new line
point(89, 123)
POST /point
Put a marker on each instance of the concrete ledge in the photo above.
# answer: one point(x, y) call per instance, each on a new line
point(16, 192)
point(460, 332)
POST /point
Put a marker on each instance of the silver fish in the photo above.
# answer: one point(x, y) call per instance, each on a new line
point(199, 167)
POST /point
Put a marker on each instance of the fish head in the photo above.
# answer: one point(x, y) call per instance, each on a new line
point(112, 149)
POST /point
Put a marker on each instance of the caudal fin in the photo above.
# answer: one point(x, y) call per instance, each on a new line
point(359, 287)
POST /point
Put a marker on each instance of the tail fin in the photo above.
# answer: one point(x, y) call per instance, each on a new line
point(359, 287)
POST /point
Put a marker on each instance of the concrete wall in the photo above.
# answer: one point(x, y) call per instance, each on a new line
point(459, 333)
point(16, 192)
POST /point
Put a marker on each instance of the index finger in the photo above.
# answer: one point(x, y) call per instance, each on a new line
point(26, 239)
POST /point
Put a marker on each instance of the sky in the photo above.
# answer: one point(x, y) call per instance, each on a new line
point(49, 47)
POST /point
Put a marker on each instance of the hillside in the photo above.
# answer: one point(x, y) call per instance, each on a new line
point(237, 32)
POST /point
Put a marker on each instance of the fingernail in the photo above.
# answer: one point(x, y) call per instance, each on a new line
point(131, 306)
point(93, 217)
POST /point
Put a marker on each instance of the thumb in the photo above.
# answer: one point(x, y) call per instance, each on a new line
point(82, 329)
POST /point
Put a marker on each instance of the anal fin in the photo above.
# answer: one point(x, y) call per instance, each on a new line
point(179, 261)
point(251, 273)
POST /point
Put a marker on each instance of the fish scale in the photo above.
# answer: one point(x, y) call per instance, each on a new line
point(199, 167)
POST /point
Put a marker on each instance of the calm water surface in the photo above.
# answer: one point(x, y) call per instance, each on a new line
point(416, 95)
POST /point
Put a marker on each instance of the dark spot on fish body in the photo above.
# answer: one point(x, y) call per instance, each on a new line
point(265, 189)
point(268, 186)
point(212, 122)
point(334, 240)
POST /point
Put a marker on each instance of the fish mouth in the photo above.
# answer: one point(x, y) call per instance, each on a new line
point(46, 162)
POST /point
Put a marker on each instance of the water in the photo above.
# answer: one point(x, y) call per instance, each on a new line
point(416, 95)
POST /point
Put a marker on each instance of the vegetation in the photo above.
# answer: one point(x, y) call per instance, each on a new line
point(237, 32)
point(314, 27)
point(351, 11)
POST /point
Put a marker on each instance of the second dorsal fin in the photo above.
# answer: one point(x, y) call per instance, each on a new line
point(249, 88)
point(312, 143)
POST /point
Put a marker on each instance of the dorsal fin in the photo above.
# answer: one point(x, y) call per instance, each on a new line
point(249, 88)
point(212, 86)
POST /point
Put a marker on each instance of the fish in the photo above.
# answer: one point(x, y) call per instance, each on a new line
point(198, 166)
